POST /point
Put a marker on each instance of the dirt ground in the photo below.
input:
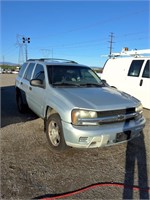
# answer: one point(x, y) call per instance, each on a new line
point(30, 170)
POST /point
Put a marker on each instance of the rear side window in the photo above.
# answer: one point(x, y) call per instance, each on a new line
point(135, 68)
point(146, 72)
point(21, 71)
point(28, 72)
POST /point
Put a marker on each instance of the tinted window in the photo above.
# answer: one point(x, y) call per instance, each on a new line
point(28, 72)
point(88, 75)
point(73, 75)
point(21, 71)
point(135, 68)
point(39, 72)
point(146, 72)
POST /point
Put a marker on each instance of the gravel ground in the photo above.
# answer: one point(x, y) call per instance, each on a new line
point(30, 170)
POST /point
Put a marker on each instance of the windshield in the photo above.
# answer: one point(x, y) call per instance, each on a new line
point(74, 76)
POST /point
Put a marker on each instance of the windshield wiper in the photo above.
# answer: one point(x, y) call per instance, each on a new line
point(91, 84)
point(77, 84)
point(65, 84)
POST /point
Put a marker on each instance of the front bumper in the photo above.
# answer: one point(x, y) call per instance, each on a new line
point(103, 135)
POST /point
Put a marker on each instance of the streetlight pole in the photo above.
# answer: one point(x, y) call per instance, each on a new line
point(26, 40)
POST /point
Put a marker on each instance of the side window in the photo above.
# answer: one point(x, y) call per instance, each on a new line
point(28, 72)
point(146, 72)
point(39, 72)
point(135, 68)
point(22, 69)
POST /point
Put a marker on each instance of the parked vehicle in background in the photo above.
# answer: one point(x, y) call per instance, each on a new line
point(129, 71)
point(1, 70)
point(78, 108)
point(14, 72)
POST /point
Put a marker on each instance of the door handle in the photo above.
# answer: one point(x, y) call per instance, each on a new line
point(30, 88)
point(141, 82)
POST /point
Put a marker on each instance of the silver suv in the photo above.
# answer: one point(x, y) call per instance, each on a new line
point(78, 108)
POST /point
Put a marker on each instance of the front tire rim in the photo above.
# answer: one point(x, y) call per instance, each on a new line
point(53, 133)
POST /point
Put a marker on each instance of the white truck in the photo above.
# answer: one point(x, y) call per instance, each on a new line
point(129, 71)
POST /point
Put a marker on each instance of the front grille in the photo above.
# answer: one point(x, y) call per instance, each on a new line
point(116, 112)
point(116, 116)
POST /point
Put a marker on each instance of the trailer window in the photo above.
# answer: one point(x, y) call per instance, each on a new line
point(135, 68)
point(146, 72)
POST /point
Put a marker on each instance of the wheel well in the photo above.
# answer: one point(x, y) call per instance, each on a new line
point(23, 95)
point(49, 111)
point(17, 91)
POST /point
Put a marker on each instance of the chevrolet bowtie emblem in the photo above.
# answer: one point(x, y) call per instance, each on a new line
point(121, 117)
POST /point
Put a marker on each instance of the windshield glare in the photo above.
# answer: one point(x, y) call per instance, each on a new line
point(73, 75)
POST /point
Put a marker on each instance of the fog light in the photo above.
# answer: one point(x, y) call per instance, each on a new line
point(83, 139)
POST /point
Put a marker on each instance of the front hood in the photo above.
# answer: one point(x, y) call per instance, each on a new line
point(96, 98)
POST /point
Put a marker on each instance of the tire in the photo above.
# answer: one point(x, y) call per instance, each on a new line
point(54, 133)
point(21, 106)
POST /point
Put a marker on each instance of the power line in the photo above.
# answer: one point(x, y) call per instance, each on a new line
point(46, 52)
point(93, 42)
point(95, 24)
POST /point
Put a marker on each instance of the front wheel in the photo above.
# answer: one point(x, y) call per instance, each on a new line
point(54, 133)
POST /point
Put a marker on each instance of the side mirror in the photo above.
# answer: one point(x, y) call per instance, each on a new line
point(37, 83)
point(105, 82)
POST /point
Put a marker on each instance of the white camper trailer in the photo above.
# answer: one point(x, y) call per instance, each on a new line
point(129, 71)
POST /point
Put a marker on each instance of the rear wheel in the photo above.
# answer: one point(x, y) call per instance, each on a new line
point(20, 104)
point(54, 133)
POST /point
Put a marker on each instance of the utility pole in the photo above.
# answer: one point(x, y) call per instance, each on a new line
point(46, 52)
point(20, 45)
point(26, 41)
point(3, 60)
point(111, 42)
point(52, 53)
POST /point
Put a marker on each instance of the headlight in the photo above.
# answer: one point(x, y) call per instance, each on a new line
point(83, 117)
point(139, 109)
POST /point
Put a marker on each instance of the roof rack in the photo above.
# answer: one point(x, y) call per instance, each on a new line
point(53, 60)
point(134, 53)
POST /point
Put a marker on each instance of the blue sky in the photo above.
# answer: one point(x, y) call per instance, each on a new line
point(77, 30)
